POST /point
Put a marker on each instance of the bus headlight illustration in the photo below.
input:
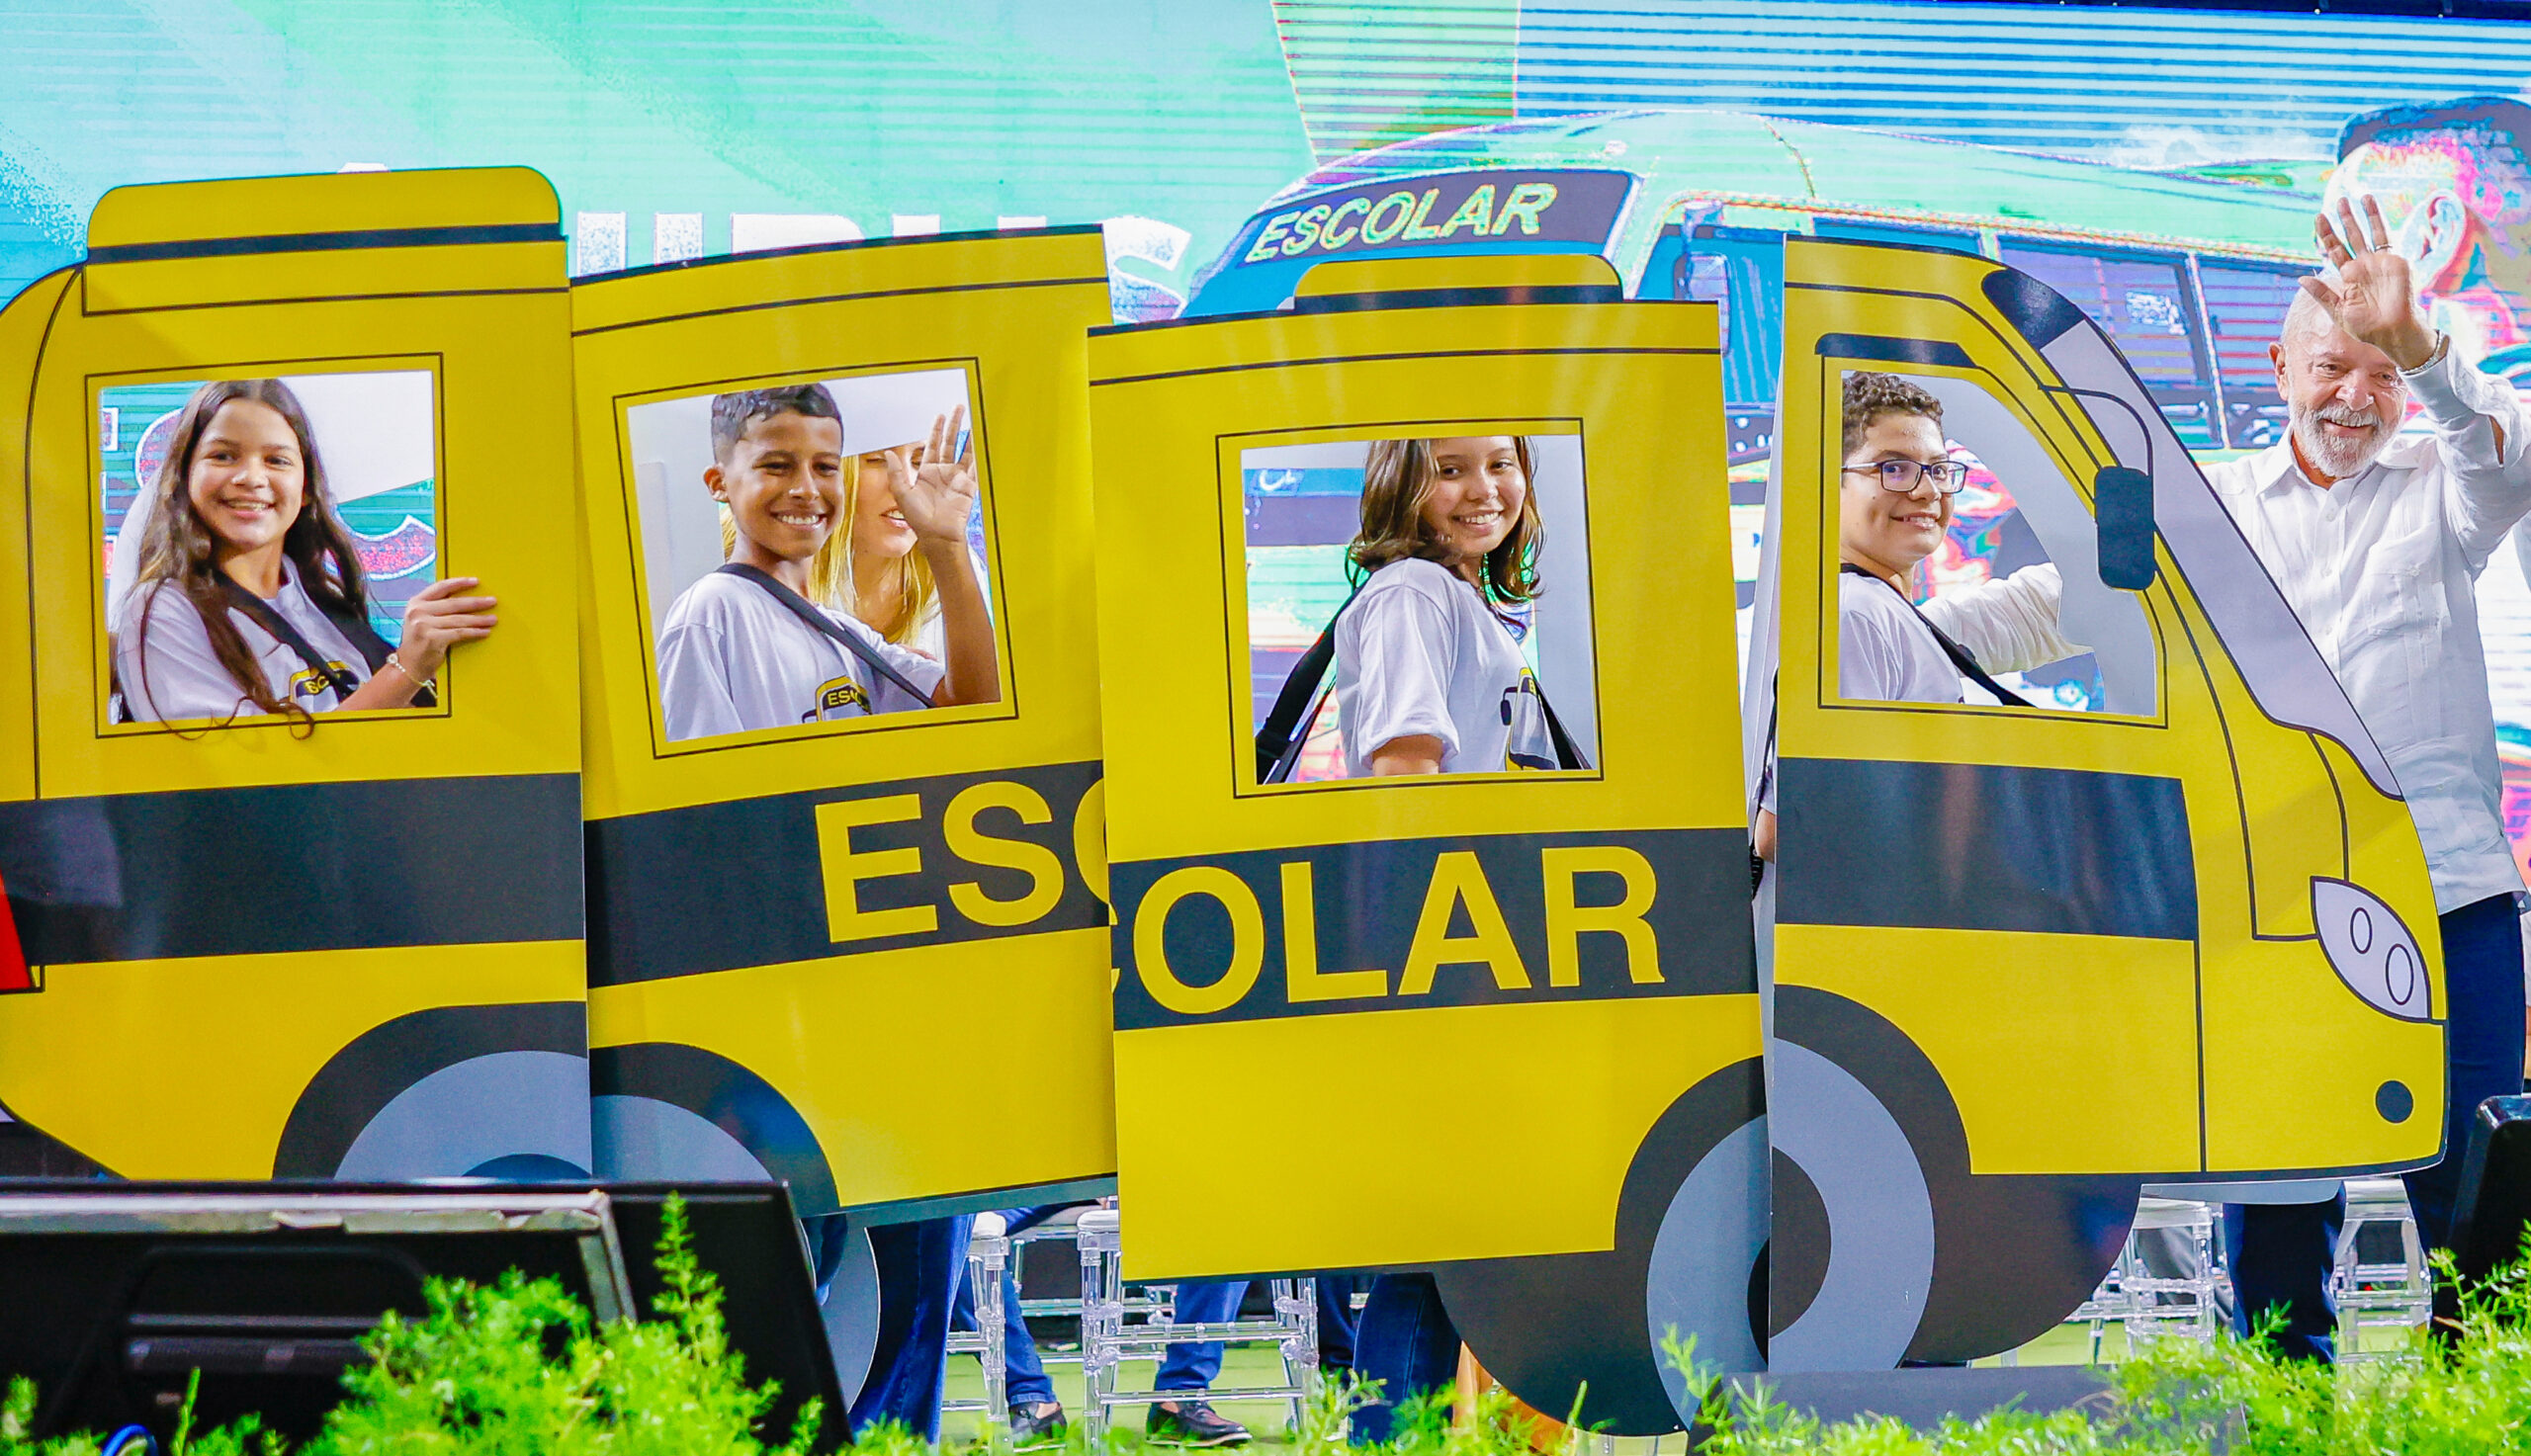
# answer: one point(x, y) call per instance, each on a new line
point(2371, 949)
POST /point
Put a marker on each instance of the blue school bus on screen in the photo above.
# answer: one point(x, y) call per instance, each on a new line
point(2189, 274)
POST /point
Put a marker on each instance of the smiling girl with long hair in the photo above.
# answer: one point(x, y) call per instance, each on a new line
point(1428, 676)
point(249, 598)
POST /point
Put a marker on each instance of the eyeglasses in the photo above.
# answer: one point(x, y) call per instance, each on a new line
point(1946, 475)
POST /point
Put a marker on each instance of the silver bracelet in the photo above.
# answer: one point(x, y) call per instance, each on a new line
point(426, 684)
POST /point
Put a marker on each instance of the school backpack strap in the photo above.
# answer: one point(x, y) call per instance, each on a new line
point(1960, 658)
point(353, 624)
point(278, 627)
point(853, 647)
point(1567, 755)
point(1296, 707)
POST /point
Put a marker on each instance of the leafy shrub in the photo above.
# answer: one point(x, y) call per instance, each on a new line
point(519, 1367)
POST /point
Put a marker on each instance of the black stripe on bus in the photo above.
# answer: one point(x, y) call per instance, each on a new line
point(294, 867)
point(1974, 846)
point(1459, 297)
point(717, 887)
point(326, 242)
point(1883, 349)
point(1367, 904)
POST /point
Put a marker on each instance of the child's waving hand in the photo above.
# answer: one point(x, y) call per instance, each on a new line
point(938, 496)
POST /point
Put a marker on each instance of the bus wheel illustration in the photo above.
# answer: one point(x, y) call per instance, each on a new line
point(1872, 1156)
point(455, 1091)
point(1875, 1224)
point(664, 1112)
point(1694, 1205)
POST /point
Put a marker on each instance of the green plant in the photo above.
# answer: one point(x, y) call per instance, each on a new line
point(519, 1367)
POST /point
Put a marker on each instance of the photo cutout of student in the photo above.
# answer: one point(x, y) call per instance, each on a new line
point(1429, 677)
point(892, 588)
point(249, 598)
point(1430, 680)
point(747, 649)
point(1894, 491)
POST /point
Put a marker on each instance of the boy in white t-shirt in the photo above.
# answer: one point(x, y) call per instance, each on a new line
point(743, 649)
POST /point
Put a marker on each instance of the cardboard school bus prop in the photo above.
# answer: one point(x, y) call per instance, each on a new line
point(259, 950)
point(2029, 961)
point(1518, 1007)
point(827, 953)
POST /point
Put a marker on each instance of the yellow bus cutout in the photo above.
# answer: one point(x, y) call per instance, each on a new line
point(807, 894)
point(340, 943)
point(1528, 958)
point(2031, 959)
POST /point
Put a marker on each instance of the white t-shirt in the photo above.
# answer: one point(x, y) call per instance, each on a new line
point(1420, 654)
point(733, 660)
point(1884, 651)
point(180, 678)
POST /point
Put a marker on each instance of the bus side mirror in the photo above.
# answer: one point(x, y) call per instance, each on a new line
point(2122, 511)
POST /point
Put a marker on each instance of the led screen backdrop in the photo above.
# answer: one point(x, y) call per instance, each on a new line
point(2159, 167)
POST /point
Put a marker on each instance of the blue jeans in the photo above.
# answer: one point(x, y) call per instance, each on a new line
point(1407, 1343)
point(1192, 1365)
point(2281, 1254)
point(920, 1266)
point(1023, 1375)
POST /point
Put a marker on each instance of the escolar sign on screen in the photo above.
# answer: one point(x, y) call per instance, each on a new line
point(1476, 207)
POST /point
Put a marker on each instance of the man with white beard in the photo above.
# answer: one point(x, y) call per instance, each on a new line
point(2377, 546)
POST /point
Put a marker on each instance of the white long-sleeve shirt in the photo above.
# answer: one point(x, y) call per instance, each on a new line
point(2381, 569)
point(1885, 655)
point(2008, 625)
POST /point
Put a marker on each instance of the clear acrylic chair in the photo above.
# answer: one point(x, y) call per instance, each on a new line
point(988, 1255)
point(2185, 1301)
point(1108, 1336)
point(2393, 1289)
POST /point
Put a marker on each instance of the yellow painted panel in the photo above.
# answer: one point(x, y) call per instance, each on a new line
point(509, 704)
point(1177, 406)
point(188, 1069)
point(2291, 1061)
point(873, 309)
point(2294, 1060)
point(980, 1064)
point(22, 322)
point(1468, 1131)
point(349, 201)
point(352, 273)
point(2065, 1053)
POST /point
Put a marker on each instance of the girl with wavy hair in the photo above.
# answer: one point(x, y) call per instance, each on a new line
point(1429, 679)
point(249, 598)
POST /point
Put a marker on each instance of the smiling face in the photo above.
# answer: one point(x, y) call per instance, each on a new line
point(879, 529)
point(783, 481)
point(247, 478)
point(2345, 398)
point(1475, 495)
point(1886, 532)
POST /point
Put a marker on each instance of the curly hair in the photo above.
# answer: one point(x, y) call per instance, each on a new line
point(1869, 397)
point(1396, 480)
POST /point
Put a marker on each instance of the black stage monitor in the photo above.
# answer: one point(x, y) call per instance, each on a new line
point(112, 1294)
point(2494, 1202)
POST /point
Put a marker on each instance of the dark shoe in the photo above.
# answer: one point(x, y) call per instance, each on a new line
point(1192, 1423)
point(1034, 1432)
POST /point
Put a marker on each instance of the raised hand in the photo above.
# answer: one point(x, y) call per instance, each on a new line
point(2375, 299)
point(938, 496)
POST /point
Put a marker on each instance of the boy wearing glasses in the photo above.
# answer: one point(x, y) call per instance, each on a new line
point(1893, 505)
